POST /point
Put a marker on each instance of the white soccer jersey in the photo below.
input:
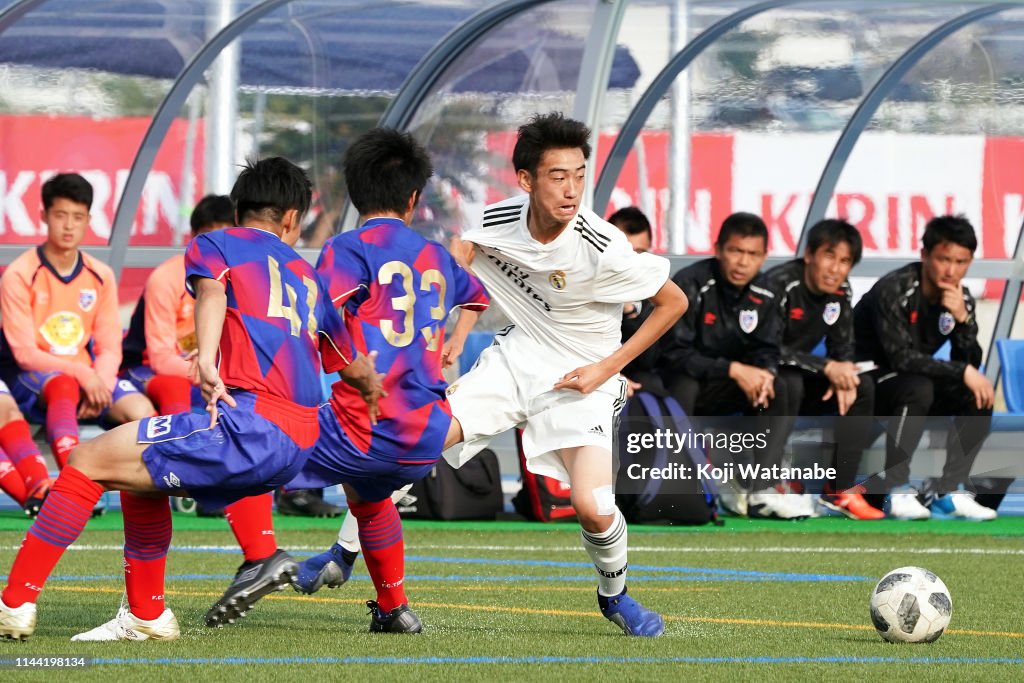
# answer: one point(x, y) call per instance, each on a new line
point(566, 296)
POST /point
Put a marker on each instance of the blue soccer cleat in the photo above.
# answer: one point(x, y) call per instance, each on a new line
point(633, 618)
point(331, 569)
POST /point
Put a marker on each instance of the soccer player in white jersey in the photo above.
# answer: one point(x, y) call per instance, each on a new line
point(561, 274)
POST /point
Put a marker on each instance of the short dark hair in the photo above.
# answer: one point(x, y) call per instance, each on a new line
point(67, 186)
point(742, 224)
point(267, 188)
point(544, 132)
point(631, 221)
point(832, 231)
point(383, 168)
point(211, 209)
point(956, 229)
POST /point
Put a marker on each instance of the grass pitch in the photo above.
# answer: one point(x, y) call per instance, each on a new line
point(754, 600)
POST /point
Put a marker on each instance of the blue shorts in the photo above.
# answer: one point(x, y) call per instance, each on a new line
point(335, 460)
point(140, 375)
point(28, 393)
point(245, 454)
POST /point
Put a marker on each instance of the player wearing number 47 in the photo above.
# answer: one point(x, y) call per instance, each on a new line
point(261, 315)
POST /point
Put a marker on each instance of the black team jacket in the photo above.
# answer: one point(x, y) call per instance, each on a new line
point(722, 324)
point(899, 330)
point(807, 318)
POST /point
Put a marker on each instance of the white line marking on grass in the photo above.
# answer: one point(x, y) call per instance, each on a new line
point(805, 550)
point(740, 550)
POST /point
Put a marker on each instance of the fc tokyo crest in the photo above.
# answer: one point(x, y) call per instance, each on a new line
point(748, 321)
point(557, 280)
point(831, 314)
point(946, 323)
point(87, 299)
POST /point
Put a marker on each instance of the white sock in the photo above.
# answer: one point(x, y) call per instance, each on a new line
point(607, 550)
point(348, 534)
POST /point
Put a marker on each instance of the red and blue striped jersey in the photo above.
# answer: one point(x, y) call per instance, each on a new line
point(396, 289)
point(278, 314)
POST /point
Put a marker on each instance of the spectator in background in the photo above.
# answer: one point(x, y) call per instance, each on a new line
point(23, 473)
point(899, 324)
point(162, 331)
point(642, 371)
point(722, 357)
point(60, 346)
point(815, 305)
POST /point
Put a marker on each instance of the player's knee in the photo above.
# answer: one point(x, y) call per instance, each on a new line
point(595, 509)
point(132, 407)
point(454, 433)
point(86, 459)
point(8, 410)
point(59, 386)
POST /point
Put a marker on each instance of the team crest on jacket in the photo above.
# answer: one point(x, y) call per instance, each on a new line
point(831, 313)
point(946, 323)
point(87, 299)
point(557, 280)
point(748, 321)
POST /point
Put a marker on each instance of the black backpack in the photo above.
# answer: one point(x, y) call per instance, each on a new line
point(471, 492)
point(684, 500)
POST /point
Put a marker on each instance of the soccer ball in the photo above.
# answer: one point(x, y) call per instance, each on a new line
point(911, 605)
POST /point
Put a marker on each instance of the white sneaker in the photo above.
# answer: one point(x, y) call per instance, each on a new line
point(126, 626)
point(733, 500)
point(903, 504)
point(770, 504)
point(961, 505)
point(17, 623)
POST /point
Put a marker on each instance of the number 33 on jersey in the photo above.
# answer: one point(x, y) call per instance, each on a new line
point(396, 289)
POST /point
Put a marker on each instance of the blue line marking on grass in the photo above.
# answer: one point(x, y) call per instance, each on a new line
point(483, 578)
point(563, 660)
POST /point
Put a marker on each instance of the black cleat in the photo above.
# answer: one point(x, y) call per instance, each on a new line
point(399, 620)
point(253, 581)
point(305, 503)
point(34, 503)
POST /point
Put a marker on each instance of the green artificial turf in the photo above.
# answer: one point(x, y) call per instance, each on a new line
point(753, 600)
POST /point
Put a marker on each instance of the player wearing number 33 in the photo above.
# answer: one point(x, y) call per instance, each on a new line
point(395, 289)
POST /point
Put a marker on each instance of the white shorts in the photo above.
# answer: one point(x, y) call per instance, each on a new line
point(495, 396)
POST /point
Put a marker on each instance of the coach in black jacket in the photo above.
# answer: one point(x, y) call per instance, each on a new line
point(721, 358)
point(899, 324)
point(642, 371)
point(814, 302)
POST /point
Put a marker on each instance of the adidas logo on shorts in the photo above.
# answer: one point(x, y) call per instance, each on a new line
point(596, 430)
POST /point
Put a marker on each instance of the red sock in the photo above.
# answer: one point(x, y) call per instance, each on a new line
point(147, 536)
point(380, 534)
point(172, 395)
point(16, 439)
point(251, 523)
point(10, 481)
point(59, 524)
point(61, 396)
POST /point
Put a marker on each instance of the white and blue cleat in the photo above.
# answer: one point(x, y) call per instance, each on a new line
point(633, 618)
point(331, 568)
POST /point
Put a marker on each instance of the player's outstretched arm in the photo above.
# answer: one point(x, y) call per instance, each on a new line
point(669, 305)
point(362, 375)
point(457, 341)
